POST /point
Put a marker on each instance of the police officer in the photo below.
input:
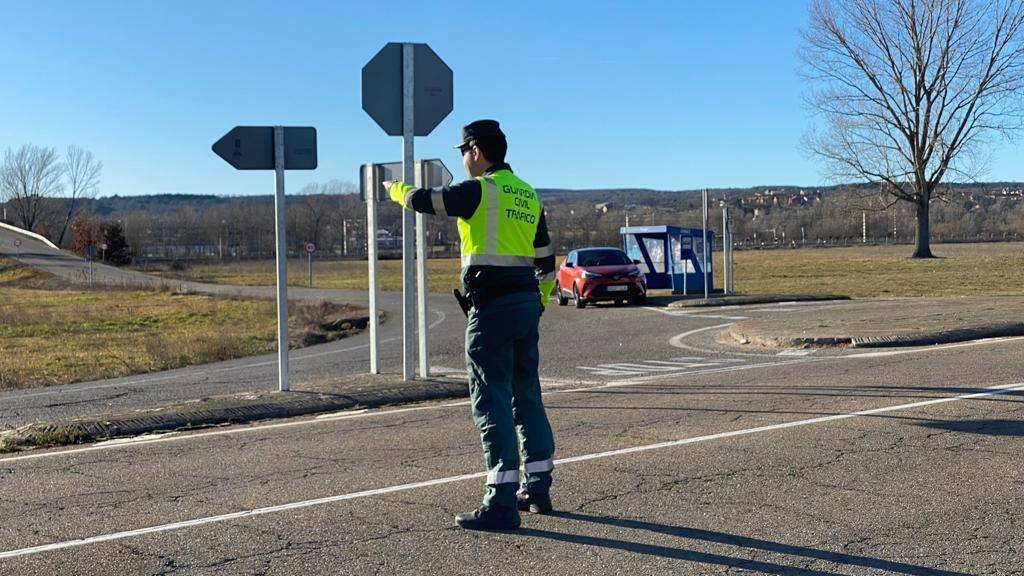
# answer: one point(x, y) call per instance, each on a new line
point(508, 272)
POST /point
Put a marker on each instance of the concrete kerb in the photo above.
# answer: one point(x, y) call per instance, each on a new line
point(677, 301)
point(740, 335)
point(363, 391)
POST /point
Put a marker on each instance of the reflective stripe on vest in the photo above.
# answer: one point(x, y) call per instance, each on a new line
point(437, 202)
point(502, 229)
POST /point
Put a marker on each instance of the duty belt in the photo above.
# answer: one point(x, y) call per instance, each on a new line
point(480, 294)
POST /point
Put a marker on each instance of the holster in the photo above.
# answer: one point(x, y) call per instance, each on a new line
point(464, 302)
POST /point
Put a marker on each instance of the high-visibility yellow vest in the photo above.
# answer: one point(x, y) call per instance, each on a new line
point(502, 229)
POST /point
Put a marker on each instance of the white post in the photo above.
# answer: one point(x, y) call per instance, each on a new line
point(371, 260)
point(864, 227)
point(408, 175)
point(282, 262)
point(725, 250)
point(344, 237)
point(686, 262)
point(421, 277)
point(704, 243)
point(309, 261)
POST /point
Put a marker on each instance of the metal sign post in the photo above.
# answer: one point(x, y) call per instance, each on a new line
point(704, 243)
point(276, 148)
point(408, 115)
point(421, 280)
point(310, 248)
point(282, 262)
point(726, 246)
point(17, 244)
point(90, 255)
point(429, 173)
point(369, 182)
point(411, 106)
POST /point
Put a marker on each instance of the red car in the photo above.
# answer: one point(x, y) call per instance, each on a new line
point(599, 274)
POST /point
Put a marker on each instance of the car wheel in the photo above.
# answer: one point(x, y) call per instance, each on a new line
point(580, 302)
point(562, 300)
point(638, 300)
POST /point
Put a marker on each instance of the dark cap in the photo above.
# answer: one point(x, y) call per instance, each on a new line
point(481, 130)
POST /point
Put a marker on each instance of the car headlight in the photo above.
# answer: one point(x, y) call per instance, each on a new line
point(587, 274)
point(636, 272)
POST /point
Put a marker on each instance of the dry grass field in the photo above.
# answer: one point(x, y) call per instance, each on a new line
point(442, 274)
point(960, 270)
point(990, 269)
point(54, 334)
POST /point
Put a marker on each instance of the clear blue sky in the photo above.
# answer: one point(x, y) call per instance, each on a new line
point(665, 95)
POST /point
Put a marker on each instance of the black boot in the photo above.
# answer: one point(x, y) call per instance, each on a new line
point(536, 502)
point(489, 518)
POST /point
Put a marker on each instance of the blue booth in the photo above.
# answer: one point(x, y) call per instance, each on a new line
point(682, 273)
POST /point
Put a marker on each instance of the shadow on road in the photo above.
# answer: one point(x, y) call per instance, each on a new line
point(722, 538)
point(990, 427)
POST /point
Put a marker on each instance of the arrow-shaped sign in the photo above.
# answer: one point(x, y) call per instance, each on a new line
point(252, 148)
point(433, 173)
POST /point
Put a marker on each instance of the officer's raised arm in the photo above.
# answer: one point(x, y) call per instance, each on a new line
point(457, 201)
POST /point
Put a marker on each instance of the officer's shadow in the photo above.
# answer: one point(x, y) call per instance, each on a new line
point(681, 553)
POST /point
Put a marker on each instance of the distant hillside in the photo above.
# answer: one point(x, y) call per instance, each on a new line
point(188, 226)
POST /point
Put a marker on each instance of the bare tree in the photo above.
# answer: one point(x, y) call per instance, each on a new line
point(912, 91)
point(28, 178)
point(82, 172)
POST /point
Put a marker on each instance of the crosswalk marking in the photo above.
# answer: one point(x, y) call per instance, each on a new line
point(679, 365)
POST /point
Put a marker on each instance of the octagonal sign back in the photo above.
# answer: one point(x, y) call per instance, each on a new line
point(382, 89)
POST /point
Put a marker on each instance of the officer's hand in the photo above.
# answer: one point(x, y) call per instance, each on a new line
point(395, 191)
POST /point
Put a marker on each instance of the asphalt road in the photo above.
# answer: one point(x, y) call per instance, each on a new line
point(677, 454)
point(768, 470)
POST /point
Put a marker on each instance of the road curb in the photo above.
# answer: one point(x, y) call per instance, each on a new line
point(367, 392)
point(739, 300)
point(739, 335)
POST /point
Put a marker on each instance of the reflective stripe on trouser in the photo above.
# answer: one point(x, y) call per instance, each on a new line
point(504, 390)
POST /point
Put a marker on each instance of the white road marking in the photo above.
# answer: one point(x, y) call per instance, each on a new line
point(797, 352)
point(113, 536)
point(676, 365)
point(677, 340)
point(697, 313)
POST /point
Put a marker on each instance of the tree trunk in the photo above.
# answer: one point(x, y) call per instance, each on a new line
point(67, 220)
point(922, 248)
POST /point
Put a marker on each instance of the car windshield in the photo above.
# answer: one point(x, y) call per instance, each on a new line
point(603, 258)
